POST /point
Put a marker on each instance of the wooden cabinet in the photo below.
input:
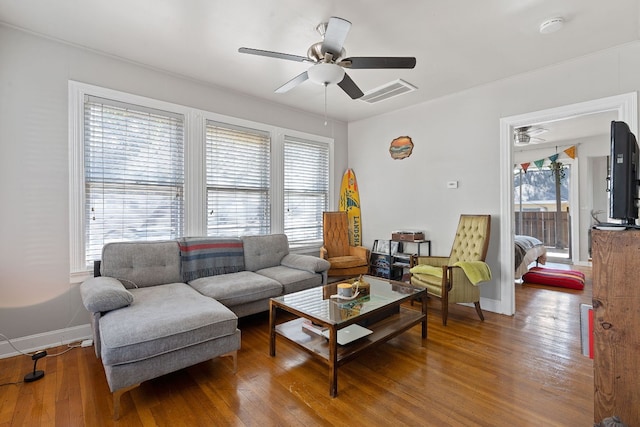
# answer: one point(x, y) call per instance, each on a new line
point(616, 333)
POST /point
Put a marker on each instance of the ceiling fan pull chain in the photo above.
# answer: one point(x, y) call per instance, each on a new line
point(325, 103)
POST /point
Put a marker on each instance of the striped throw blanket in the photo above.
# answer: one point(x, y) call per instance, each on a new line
point(206, 256)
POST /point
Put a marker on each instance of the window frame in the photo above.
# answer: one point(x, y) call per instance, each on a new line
point(195, 191)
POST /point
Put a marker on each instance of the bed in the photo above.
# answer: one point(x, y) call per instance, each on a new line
point(527, 250)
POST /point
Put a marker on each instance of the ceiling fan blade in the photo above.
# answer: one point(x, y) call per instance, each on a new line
point(379, 62)
point(278, 55)
point(293, 83)
point(336, 34)
point(350, 87)
point(536, 131)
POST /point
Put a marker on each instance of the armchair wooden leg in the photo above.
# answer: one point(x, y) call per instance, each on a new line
point(445, 313)
point(479, 310)
point(445, 308)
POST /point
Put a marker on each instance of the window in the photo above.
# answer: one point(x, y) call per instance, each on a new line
point(134, 174)
point(238, 180)
point(144, 169)
point(306, 189)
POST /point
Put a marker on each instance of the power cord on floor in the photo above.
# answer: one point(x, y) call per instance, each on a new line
point(71, 346)
point(14, 383)
point(14, 347)
point(35, 356)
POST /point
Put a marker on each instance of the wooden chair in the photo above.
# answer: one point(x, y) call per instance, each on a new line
point(453, 285)
point(345, 260)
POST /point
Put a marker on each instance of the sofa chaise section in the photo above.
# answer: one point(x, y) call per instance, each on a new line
point(146, 322)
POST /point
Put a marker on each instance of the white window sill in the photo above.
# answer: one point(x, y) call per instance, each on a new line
point(80, 276)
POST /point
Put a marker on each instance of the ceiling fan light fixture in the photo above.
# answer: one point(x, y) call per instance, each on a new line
point(521, 138)
point(326, 74)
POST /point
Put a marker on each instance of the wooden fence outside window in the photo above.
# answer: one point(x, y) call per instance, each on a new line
point(541, 225)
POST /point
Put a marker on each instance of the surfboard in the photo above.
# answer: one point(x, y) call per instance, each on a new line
point(350, 203)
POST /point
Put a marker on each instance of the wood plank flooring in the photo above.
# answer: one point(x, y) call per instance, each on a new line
point(524, 370)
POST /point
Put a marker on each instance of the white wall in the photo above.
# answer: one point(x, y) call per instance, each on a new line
point(592, 157)
point(35, 294)
point(458, 138)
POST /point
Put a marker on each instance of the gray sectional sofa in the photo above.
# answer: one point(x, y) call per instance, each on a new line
point(158, 307)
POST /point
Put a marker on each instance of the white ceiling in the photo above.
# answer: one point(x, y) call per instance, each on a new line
point(584, 126)
point(570, 130)
point(458, 43)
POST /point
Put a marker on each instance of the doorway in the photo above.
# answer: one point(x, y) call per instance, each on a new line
point(542, 199)
point(625, 107)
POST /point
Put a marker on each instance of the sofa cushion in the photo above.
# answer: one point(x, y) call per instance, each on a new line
point(308, 263)
point(264, 251)
point(160, 320)
point(237, 288)
point(433, 284)
point(140, 264)
point(292, 280)
point(104, 294)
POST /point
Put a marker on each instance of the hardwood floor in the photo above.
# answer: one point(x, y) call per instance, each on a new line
point(524, 370)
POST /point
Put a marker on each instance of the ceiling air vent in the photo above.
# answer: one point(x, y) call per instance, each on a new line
point(389, 90)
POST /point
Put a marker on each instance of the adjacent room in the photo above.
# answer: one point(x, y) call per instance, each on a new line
point(246, 123)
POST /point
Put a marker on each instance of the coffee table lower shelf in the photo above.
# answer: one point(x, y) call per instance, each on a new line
point(317, 345)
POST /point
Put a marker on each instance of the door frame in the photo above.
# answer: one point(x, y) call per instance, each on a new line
point(626, 105)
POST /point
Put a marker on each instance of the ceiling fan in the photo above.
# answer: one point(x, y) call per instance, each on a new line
point(527, 134)
point(329, 59)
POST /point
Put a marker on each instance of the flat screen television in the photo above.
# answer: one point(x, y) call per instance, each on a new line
point(623, 174)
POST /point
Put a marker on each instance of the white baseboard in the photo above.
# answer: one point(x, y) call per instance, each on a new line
point(492, 305)
point(583, 263)
point(32, 343)
point(487, 304)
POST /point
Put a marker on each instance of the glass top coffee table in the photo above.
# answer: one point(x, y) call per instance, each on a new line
point(320, 317)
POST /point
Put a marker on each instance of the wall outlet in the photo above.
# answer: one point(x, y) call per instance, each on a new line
point(452, 184)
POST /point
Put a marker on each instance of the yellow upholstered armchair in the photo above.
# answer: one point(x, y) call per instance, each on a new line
point(454, 279)
point(345, 260)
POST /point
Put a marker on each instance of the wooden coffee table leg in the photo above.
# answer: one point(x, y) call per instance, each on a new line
point(333, 361)
point(424, 311)
point(272, 329)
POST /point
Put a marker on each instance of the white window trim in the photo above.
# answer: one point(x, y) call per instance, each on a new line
point(194, 163)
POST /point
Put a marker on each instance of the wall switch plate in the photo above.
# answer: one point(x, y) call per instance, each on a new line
point(452, 184)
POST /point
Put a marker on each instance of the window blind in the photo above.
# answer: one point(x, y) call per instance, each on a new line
point(306, 189)
point(238, 180)
point(134, 174)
